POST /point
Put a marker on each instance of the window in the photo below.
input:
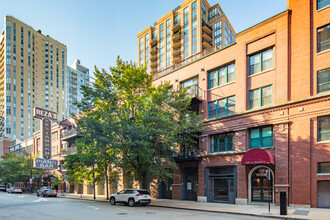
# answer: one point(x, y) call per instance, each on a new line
point(261, 137)
point(222, 142)
point(323, 128)
point(323, 80)
point(221, 76)
point(323, 167)
point(322, 3)
point(222, 107)
point(203, 12)
point(261, 62)
point(260, 97)
point(323, 38)
point(217, 34)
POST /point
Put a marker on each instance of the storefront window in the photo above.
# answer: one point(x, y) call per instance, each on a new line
point(221, 185)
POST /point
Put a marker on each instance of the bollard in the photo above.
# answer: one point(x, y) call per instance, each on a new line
point(283, 203)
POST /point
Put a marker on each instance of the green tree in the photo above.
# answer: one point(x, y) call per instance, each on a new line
point(77, 172)
point(128, 122)
point(15, 168)
point(151, 121)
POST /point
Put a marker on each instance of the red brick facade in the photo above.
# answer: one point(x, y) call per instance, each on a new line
point(293, 114)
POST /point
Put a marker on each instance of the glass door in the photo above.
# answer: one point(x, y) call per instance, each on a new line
point(262, 187)
point(221, 189)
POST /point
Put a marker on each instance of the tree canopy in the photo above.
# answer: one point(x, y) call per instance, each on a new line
point(131, 124)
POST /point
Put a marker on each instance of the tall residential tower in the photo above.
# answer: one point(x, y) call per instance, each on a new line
point(76, 76)
point(184, 34)
point(32, 71)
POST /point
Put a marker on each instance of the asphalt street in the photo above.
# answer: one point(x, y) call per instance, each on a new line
point(29, 206)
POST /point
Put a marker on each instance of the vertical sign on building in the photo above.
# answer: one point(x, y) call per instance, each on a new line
point(46, 117)
point(46, 138)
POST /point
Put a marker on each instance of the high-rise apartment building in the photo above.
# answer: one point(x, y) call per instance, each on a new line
point(32, 73)
point(182, 35)
point(76, 76)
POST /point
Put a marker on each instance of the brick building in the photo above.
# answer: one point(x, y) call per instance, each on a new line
point(265, 100)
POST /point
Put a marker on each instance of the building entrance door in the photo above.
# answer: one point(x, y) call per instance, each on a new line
point(190, 176)
point(165, 189)
point(221, 185)
point(262, 187)
point(222, 190)
point(323, 194)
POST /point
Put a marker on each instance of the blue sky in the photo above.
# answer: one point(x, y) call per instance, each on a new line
point(97, 31)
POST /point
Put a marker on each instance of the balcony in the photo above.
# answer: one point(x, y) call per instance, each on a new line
point(153, 70)
point(196, 93)
point(69, 150)
point(177, 59)
point(154, 63)
point(176, 36)
point(206, 28)
point(176, 27)
point(187, 154)
point(176, 44)
point(207, 36)
point(206, 44)
point(153, 41)
point(176, 51)
point(154, 49)
point(153, 57)
point(186, 61)
point(70, 135)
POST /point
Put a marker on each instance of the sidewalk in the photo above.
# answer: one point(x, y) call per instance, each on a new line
point(251, 210)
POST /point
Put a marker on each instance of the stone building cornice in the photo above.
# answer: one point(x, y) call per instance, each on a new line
point(266, 110)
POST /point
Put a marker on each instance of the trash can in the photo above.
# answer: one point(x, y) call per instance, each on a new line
point(283, 203)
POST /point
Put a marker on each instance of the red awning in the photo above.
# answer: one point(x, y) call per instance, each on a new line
point(257, 156)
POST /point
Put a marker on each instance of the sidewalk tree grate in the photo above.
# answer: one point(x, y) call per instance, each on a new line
point(301, 212)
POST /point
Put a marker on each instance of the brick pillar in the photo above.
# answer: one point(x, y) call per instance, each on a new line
point(281, 146)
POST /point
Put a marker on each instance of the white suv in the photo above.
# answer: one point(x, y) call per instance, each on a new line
point(131, 197)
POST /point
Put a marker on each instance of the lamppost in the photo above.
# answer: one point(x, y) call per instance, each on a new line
point(29, 154)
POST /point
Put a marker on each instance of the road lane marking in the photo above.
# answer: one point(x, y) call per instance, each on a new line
point(40, 200)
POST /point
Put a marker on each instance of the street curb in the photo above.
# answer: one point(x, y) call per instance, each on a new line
point(92, 200)
point(202, 210)
point(232, 213)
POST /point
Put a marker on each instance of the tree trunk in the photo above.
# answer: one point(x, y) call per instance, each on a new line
point(144, 183)
point(107, 181)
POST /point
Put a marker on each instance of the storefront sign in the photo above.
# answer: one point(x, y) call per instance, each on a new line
point(45, 164)
point(44, 113)
point(46, 138)
point(46, 117)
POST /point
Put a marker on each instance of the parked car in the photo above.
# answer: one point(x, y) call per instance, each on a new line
point(14, 190)
point(47, 191)
point(131, 197)
point(3, 188)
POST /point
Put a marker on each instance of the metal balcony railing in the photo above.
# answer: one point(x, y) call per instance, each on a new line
point(190, 153)
point(69, 133)
point(195, 92)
